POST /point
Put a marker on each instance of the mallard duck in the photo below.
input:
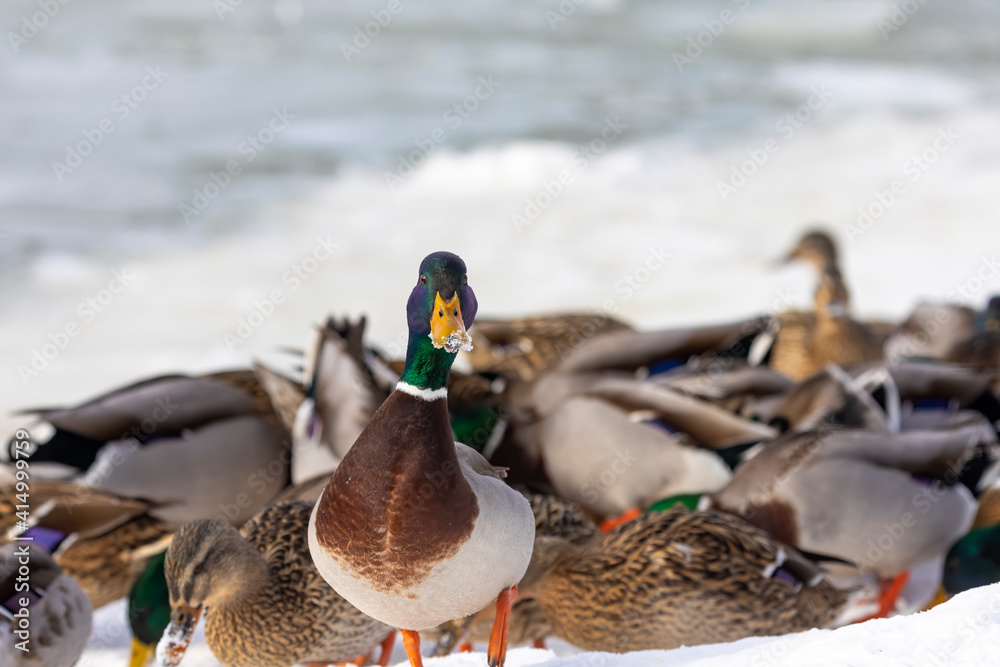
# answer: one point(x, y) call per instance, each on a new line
point(932, 330)
point(345, 384)
point(904, 395)
point(972, 561)
point(981, 348)
point(883, 501)
point(554, 517)
point(804, 343)
point(580, 426)
point(197, 446)
point(522, 348)
point(99, 538)
point(148, 610)
point(677, 577)
point(815, 247)
point(58, 613)
point(432, 533)
point(266, 604)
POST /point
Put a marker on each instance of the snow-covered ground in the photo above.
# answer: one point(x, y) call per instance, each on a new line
point(963, 632)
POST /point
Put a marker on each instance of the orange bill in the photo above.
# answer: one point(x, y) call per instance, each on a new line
point(447, 325)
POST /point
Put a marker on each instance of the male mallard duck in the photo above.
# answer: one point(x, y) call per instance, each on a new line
point(805, 343)
point(676, 577)
point(100, 539)
point(580, 426)
point(415, 529)
point(194, 445)
point(148, 610)
point(58, 612)
point(267, 605)
point(345, 384)
point(554, 517)
point(883, 501)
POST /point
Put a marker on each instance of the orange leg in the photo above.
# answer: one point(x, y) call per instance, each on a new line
point(387, 644)
point(887, 602)
point(609, 524)
point(411, 642)
point(538, 643)
point(497, 651)
point(360, 661)
point(891, 588)
point(465, 648)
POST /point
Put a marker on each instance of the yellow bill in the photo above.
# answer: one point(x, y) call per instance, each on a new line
point(448, 327)
point(142, 654)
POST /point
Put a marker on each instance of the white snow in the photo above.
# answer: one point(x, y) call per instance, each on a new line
point(963, 632)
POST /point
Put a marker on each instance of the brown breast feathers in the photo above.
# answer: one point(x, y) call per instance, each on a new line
point(398, 503)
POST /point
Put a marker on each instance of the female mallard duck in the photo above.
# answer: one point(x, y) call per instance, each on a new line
point(524, 347)
point(267, 605)
point(101, 539)
point(815, 247)
point(191, 444)
point(805, 343)
point(676, 577)
point(415, 529)
point(58, 611)
point(981, 348)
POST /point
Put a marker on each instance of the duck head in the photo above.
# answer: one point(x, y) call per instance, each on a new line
point(815, 247)
point(208, 564)
point(441, 308)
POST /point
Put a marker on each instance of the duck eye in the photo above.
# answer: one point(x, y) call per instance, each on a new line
point(465, 279)
point(440, 313)
point(423, 280)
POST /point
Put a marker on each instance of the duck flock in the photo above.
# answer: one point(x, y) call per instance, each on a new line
point(616, 488)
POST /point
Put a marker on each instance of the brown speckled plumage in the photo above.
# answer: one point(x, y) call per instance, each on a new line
point(522, 348)
point(555, 517)
point(278, 617)
point(104, 566)
point(105, 534)
point(673, 578)
point(806, 342)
